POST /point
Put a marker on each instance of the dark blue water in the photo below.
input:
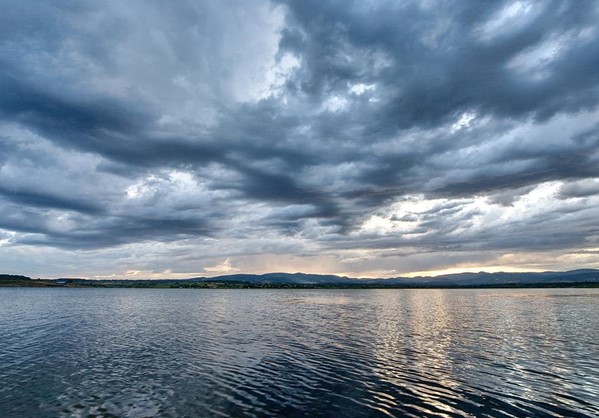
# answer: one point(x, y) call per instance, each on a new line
point(339, 353)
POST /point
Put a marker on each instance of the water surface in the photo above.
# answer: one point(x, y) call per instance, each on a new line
point(345, 353)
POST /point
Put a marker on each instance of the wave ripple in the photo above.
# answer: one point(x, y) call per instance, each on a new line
point(256, 353)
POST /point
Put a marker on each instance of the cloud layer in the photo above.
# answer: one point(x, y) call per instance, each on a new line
point(367, 138)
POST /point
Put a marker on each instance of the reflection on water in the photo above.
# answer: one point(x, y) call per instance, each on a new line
point(147, 352)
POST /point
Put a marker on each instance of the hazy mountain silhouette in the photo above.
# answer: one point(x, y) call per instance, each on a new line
point(459, 279)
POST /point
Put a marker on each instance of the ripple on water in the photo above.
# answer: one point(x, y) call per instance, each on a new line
point(171, 353)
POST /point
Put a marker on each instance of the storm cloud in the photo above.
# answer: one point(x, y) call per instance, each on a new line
point(362, 138)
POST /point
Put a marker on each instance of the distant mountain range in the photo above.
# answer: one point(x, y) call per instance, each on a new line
point(459, 279)
point(549, 278)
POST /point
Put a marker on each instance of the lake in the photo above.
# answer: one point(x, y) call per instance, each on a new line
point(333, 353)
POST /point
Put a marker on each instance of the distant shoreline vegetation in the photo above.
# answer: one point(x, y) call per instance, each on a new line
point(587, 278)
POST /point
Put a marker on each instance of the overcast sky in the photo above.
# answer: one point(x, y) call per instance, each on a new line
point(146, 139)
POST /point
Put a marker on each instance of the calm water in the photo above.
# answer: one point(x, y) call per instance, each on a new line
point(341, 353)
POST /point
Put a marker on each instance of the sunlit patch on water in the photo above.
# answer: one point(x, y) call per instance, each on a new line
point(327, 299)
point(172, 353)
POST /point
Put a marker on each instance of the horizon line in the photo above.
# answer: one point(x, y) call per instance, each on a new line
point(413, 275)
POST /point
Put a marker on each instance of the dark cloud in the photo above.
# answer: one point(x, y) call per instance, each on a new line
point(91, 231)
point(437, 62)
point(113, 232)
point(40, 199)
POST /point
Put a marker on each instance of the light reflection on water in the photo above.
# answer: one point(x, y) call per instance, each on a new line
point(150, 352)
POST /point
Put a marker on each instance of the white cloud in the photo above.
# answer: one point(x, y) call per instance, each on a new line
point(510, 18)
point(223, 268)
point(335, 104)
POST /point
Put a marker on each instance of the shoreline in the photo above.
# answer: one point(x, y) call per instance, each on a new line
point(240, 285)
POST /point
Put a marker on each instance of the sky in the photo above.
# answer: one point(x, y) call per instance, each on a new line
point(153, 139)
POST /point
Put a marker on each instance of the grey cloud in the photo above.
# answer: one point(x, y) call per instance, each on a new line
point(40, 199)
point(99, 232)
point(115, 232)
point(426, 84)
point(507, 197)
point(582, 188)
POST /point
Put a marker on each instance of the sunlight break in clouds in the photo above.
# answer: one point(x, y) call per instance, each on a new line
point(223, 268)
